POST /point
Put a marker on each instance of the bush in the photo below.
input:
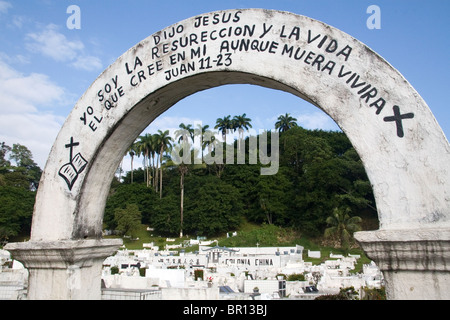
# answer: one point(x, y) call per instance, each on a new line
point(344, 294)
point(267, 235)
point(374, 294)
point(198, 274)
point(114, 270)
point(296, 277)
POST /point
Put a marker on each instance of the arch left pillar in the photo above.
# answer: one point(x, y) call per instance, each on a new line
point(64, 270)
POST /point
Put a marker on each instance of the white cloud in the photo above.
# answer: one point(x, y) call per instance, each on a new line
point(18, 21)
point(55, 45)
point(21, 96)
point(5, 6)
point(171, 123)
point(35, 131)
point(17, 59)
point(87, 63)
point(316, 120)
point(22, 93)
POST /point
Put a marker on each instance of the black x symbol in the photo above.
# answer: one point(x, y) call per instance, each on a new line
point(397, 117)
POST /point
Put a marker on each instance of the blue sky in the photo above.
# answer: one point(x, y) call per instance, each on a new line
point(46, 67)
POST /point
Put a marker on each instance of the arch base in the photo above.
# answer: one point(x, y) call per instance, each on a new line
point(415, 263)
point(64, 270)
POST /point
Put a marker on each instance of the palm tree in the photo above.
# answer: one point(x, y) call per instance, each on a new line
point(163, 143)
point(155, 160)
point(211, 142)
point(132, 151)
point(184, 132)
point(241, 123)
point(285, 122)
point(145, 147)
point(183, 168)
point(342, 225)
point(224, 125)
point(201, 131)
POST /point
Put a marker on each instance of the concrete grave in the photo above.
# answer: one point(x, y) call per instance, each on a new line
point(404, 151)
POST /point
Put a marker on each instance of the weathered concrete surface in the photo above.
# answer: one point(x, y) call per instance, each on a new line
point(404, 151)
point(415, 263)
point(67, 270)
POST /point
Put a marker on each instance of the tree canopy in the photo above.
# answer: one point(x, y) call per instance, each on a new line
point(19, 180)
point(318, 172)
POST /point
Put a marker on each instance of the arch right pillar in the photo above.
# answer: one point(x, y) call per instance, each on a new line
point(415, 263)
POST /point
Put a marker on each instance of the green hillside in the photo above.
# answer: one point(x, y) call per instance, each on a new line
point(318, 197)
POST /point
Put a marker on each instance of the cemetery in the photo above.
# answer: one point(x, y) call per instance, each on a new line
point(215, 272)
point(212, 273)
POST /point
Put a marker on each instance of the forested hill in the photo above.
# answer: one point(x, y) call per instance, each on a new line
point(19, 180)
point(320, 184)
point(320, 176)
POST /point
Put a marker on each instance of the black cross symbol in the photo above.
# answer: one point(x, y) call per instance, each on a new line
point(397, 117)
point(71, 145)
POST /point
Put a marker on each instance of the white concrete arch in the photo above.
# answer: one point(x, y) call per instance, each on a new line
point(404, 151)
